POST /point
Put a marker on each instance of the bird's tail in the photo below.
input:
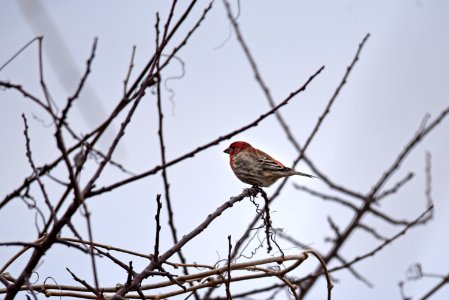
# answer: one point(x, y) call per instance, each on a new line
point(305, 174)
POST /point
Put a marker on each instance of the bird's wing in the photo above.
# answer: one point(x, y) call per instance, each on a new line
point(269, 163)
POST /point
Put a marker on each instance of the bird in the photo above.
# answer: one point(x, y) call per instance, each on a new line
point(255, 167)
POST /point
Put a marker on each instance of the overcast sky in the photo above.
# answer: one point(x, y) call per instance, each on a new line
point(402, 75)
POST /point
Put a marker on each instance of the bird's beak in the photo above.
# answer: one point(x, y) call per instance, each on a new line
point(227, 151)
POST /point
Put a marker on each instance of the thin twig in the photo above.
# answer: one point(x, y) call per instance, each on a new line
point(325, 197)
point(19, 51)
point(158, 227)
point(43, 84)
point(131, 273)
point(419, 135)
point(83, 282)
point(228, 279)
point(91, 247)
point(21, 244)
point(26, 94)
point(108, 247)
point(33, 166)
point(428, 171)
point(372, 231)
point(267, 220)
point(386, 217)
point(128, 74)
point(325, 272)
point(71, 99)
point(334, 228)
point(188, 35)
point(116, 261)
point(395, 187)
point(18, 254)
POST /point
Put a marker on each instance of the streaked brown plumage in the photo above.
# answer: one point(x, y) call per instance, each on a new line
point(255, 167)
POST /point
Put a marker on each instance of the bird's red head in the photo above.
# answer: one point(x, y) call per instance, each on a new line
point(236, 147)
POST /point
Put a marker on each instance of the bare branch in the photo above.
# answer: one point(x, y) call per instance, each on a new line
point(370, 198)
point(97, 133)
point(423, 131)
point(388, 241)
point(166, 255)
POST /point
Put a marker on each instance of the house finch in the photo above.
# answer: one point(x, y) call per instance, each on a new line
point(255, 167)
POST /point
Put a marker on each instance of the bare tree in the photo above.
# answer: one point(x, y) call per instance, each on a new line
point(172, 273)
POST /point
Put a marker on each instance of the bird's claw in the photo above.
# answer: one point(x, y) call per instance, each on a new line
point(253, 191)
